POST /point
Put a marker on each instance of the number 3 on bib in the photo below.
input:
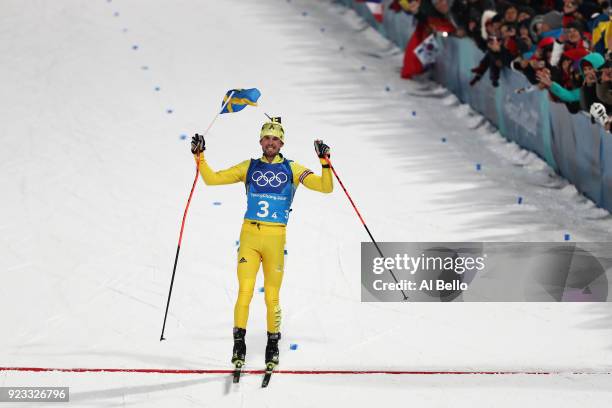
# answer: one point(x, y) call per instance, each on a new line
point(263, 210)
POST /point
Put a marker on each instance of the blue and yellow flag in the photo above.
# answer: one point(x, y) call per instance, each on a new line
point(599, 27)
point(240, 98)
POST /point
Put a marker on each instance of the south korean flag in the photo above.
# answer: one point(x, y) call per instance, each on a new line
point(427, 51)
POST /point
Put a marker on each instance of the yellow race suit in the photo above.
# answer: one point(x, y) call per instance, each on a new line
point(263, 242)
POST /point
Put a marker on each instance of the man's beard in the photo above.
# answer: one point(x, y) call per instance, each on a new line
point(270, 153)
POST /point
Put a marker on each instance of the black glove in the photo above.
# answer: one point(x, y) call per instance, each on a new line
point(197, 144)
point(475, 79)
point(322, 149)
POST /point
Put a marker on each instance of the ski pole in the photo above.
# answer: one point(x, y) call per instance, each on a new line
point(362, 221)
point(178, 248)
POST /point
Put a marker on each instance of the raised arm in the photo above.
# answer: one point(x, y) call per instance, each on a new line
point(231, 175)
point(323, 183)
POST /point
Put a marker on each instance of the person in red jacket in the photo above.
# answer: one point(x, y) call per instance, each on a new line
point(436, 19)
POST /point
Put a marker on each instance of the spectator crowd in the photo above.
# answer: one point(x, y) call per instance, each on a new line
point(562, 46)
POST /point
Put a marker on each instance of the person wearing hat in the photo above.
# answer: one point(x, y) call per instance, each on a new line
point(547, 25)
point(571, 41)
point(590, 66)
point(271, 182)
point(584, 92)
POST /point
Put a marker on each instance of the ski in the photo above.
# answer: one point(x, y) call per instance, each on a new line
point(237, 370)
point(268, 374)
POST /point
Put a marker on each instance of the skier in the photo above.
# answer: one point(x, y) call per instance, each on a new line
point(270, 184)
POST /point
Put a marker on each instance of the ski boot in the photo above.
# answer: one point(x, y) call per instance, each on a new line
point(272, 348)
point(271, 357)
point(239, 352)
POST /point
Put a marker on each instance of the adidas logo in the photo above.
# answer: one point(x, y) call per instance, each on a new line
point(242, 260)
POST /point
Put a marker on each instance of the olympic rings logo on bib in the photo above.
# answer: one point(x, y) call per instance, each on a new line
point(269, 178)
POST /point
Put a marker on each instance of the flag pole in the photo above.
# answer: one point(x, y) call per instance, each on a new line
point(178, 248)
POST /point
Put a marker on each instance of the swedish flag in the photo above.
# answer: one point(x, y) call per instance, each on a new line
point(600, 27)
point(239, 99)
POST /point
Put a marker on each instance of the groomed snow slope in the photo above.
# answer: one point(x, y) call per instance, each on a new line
point(95, 176)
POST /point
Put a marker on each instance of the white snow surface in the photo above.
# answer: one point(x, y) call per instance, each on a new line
point(95, 178)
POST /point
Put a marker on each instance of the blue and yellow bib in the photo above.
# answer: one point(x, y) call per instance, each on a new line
point(270, 190)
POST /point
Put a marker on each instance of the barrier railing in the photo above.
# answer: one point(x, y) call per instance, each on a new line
point(574, 147)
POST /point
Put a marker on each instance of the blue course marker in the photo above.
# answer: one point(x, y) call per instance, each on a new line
point(183, 136)
point(413, 113)
point(478, 167)
point(157, 88)
point(520, 200)
point(261, 290)
point(217, 203)
point(134, 47)
point(566, 237)
point(387, 88)
point(116, 14)
point(169, 111)
point(443, 140)
point(285, 252)
point(304, 13)
point(293, 346)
